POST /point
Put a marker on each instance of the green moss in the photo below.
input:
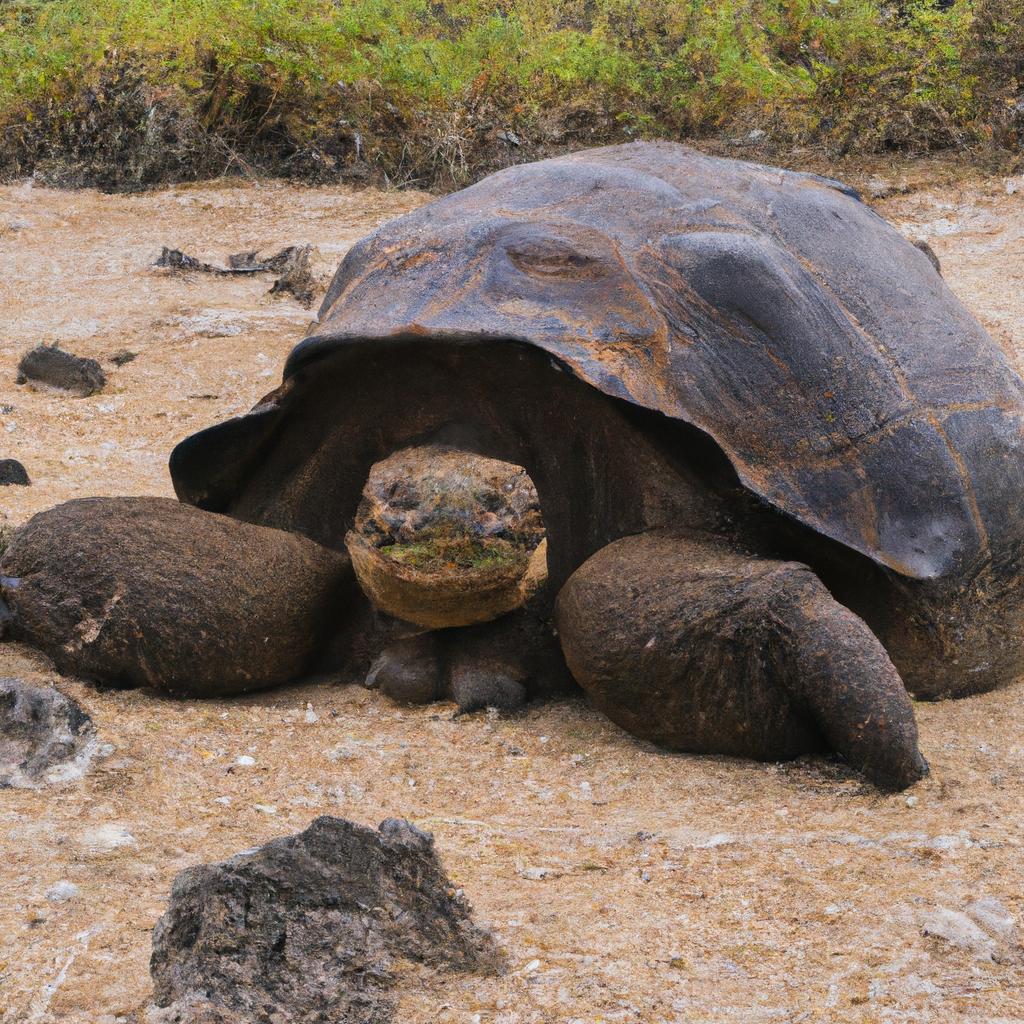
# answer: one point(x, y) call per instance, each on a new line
point(447, 552)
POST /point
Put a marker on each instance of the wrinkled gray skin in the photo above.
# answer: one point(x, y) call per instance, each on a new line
point(744, 363)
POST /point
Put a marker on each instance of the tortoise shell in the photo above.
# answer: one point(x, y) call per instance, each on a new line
point(773, 310)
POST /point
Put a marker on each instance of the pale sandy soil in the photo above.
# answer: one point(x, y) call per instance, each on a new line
point(626, 884)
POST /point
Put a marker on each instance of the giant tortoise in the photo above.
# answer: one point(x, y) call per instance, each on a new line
point(780, 464)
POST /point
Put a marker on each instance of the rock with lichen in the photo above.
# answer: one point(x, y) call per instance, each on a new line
point(311, 929)
point(45, 737)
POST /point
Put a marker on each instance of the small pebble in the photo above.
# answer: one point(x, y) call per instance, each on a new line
point(61, 892)
point(535, 874)
point(246, 761)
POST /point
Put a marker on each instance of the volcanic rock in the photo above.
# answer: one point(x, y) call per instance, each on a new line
point(50, 365)
point(45, 737)
point(310, 929)
point(13, 472)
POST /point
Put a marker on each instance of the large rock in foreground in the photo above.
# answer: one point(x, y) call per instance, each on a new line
point(309, 929)
point(45, 737)
point(152, 592)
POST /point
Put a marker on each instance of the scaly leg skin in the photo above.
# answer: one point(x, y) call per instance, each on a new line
point(409, 670)
point(151, 592)
point(697, 647)
point(498, 664)
point(434, 666)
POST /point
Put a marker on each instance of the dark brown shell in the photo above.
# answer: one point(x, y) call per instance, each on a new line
point(773, 310)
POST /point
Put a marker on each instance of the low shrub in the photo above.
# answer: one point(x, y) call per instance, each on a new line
point(125, 93)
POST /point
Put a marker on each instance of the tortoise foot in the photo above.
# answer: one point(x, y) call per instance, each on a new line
point(500, 664)
point(700, 648)
point(409, 670)
point(481, 682)
point(442, 665)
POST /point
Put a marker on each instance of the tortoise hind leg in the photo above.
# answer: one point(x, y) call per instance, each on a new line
point(696, 647)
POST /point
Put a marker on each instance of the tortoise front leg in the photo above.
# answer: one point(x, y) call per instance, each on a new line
point(152, 592)
point(498, 664)
point(697, 647)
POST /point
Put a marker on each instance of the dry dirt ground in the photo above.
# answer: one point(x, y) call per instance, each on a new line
point(627, 884)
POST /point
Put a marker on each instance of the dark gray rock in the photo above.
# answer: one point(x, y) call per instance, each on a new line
point(13, 472)
point(310, 928)
point(175, 259)
point(45, 737)
point(283, 262)
point(47, 364)
point(295, 265)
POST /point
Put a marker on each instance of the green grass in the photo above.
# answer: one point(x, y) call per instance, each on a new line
point(420, 91)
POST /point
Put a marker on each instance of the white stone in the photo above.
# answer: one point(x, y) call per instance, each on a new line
point(535, 874)
point(993, 917)
point(958, 930)
point(106, 838)
point(61, 892)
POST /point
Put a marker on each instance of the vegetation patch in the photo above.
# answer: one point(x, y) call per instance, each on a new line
point(126, 93)
point(454, 552)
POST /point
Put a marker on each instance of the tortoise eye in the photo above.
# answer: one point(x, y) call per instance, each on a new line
point(551, 258)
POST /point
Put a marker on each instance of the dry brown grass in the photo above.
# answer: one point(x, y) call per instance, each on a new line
point(627, 884)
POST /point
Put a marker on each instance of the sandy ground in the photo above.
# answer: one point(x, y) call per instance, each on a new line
point(625, 883)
